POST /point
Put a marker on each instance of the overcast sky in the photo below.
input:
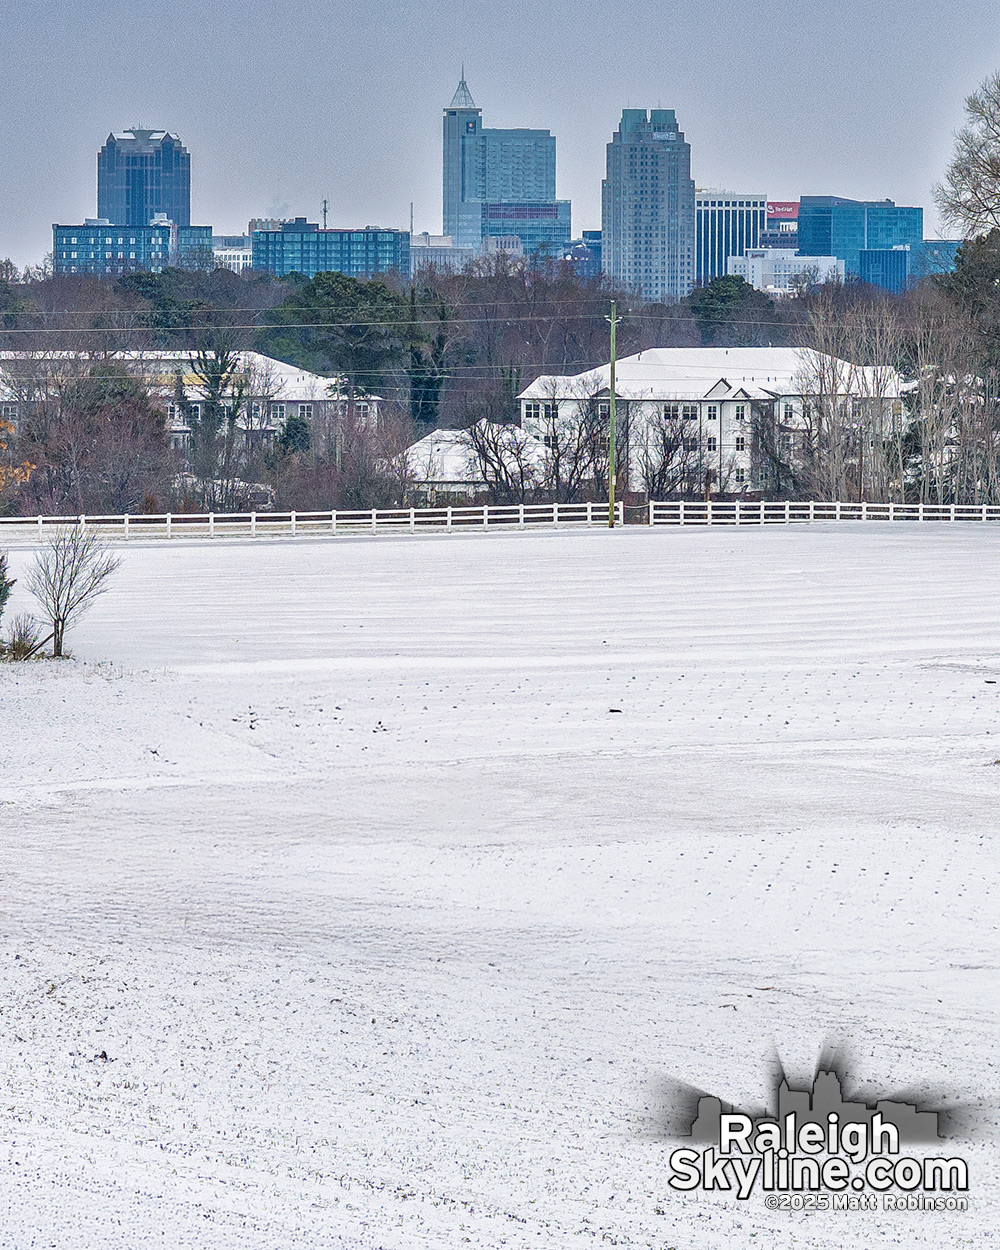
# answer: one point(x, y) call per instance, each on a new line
point(283, 102)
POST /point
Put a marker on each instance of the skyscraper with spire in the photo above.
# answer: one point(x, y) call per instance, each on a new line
point(499, 182)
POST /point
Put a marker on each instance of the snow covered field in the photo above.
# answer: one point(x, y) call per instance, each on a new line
point(340, 909)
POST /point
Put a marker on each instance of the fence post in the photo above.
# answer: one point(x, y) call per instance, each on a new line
point(211, 525)
point(126, 525)
point(651, 522)
point(83, 522)
point(892, 512)
point(40, 528)
point(737, 512)
point(333, 520)
point(486, 516)
point(812, 509)
point(555, 514)
point(836, 515)
point(520, 517)
point(984, 512)
point(374, 521)
point(168, 524)
point(292, 518)
point(448, 520)
point(413, 520)
point(253, 524)
point(680, 514)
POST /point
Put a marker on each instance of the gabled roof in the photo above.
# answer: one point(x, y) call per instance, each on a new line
point(669, 373)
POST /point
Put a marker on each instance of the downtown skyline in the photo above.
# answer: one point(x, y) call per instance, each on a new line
point(371, 147)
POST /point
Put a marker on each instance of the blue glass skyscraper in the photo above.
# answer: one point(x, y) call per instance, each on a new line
point(141, 173)
point(484, 169)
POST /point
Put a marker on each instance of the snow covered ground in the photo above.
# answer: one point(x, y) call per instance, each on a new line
point(341, 909)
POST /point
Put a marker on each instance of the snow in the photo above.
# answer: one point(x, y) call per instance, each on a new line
point(390, 929)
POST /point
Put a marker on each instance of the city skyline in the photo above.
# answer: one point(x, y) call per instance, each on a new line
point(795, 119)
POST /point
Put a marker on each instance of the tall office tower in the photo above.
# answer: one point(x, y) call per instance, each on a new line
point(728, 224)
point(648, 216)
point(142, 173)
point(487, 169)
point(832, 226)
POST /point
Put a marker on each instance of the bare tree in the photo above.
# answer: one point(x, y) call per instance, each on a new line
point(969, 197)
point(68, 574)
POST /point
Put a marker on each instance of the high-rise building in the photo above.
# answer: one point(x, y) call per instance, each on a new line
point(729, 223)
point(832, 226)
point(300, 246)
point(141, 173)
point(648, 214)
point(898, 268)
point(485, 169)
point(782, 229)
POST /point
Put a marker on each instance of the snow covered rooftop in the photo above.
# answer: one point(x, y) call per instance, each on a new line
point(278, 379)
point(703, 372)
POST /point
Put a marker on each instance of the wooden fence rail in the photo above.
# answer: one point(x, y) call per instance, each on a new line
point(791, 513)
point(449, 520)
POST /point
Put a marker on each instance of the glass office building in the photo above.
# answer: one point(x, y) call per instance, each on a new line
point(141, 173)
point(543, 228)
point(300, 246)
point(832, 226)
point(648, 206)
point(896, 269)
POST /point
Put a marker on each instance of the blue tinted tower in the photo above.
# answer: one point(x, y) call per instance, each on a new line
point(142, 173)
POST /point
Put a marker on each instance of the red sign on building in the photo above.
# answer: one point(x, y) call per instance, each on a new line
point(782, 210)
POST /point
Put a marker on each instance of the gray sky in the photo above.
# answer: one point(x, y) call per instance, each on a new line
point(283, 102)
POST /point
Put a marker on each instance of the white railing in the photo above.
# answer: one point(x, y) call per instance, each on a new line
point(448, 520)
point(789, 513)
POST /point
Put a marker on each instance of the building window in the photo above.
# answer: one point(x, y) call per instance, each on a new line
point(690, 444)
point(713, 412)
point(789, 412)
point(195, 411)
point(550, 411)
point(690, 412)
point(306, 412)
point(277, 412)
point(786, 443)
point(741, 412)
point(713, 443)
point(532, 411)
point(741, 443)
point(8, 412)
point(741, 476)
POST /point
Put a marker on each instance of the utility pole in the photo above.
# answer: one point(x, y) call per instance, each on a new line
point(611, 419)
point(325, 206)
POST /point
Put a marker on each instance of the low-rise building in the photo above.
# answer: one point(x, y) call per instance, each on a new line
point(783, 271)
point(103, 250)
point(438, 251)
point(261, 394)
point(703, 418)
point(232, 251)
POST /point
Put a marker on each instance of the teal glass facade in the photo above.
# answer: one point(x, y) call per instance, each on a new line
point(832, 226)
point(104, 250)
point(302, 247)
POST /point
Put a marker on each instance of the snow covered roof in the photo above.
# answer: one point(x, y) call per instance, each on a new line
point(446, 456)
point(275, 378)
point(664, 373)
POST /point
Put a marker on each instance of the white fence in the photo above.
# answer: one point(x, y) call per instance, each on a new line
point(450, 520)
point(787, 513)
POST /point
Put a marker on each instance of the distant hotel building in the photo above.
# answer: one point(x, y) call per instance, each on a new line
point(438, 252)
point(300, 246)
point(784, 271)
point(499, 182)
point(832, 226)
point(648, 206)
